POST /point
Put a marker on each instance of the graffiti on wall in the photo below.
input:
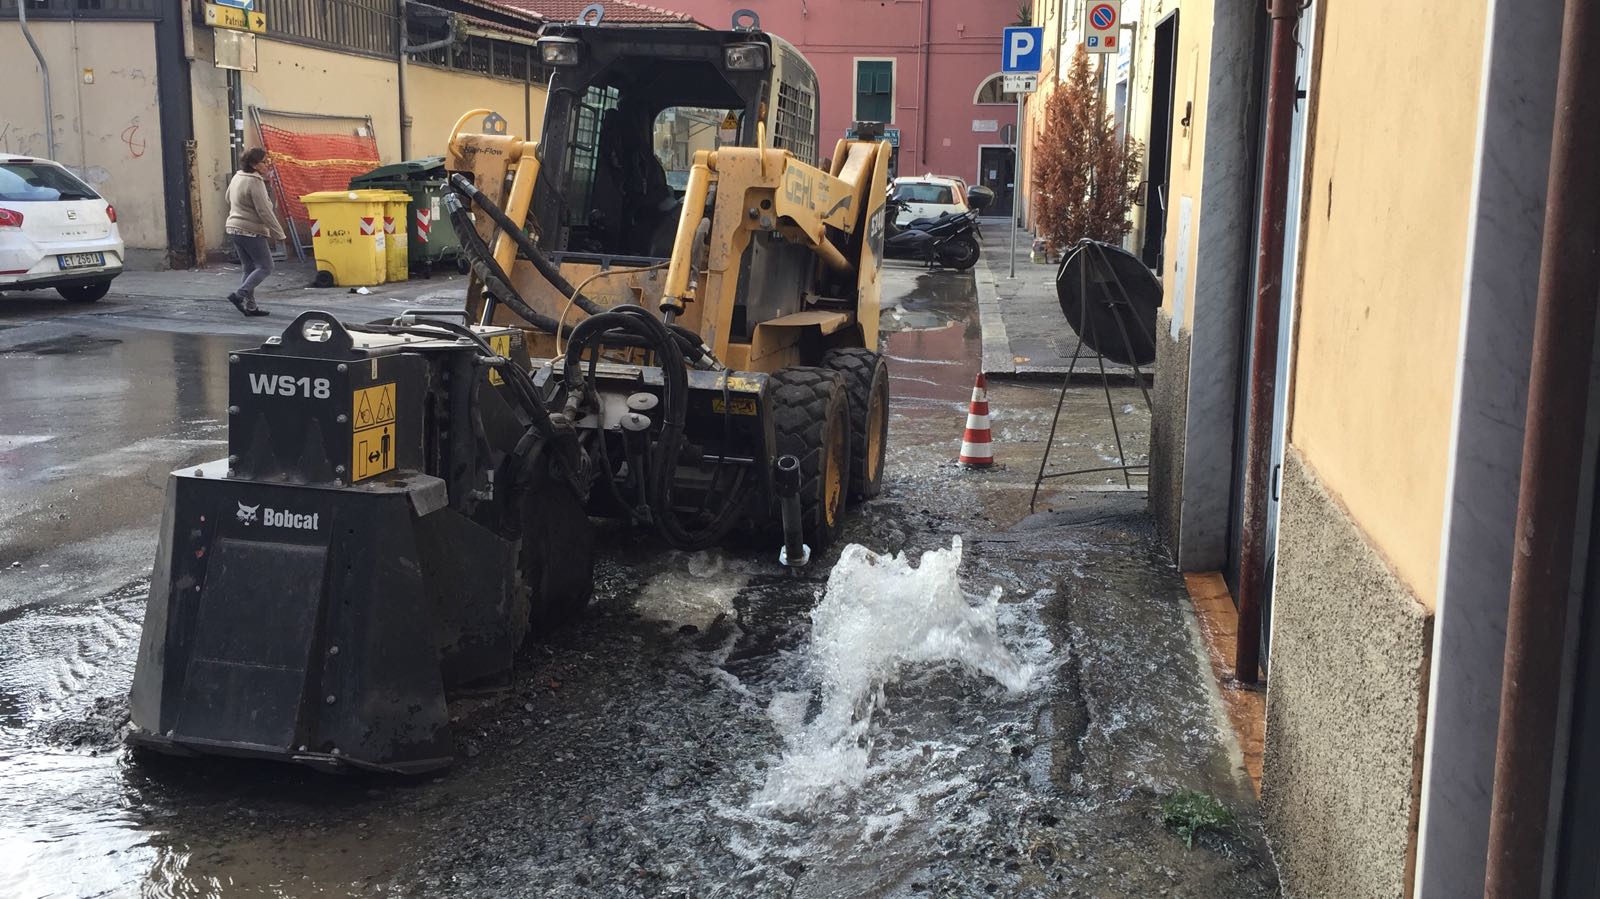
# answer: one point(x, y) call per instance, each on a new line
point(134, 139)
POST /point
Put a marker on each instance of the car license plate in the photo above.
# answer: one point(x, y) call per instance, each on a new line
point(81, 260)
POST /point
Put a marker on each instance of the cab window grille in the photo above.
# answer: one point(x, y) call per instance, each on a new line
point(583, 151)
point(796, 127)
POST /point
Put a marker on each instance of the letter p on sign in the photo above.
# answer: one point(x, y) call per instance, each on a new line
point(1022, 49)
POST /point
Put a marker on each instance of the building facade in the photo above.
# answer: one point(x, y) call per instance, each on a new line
point(928, 69)
point(144, 112)
point(1413, 231)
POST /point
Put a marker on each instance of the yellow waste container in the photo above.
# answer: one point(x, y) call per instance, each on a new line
point(396, 208)
point(347, 236)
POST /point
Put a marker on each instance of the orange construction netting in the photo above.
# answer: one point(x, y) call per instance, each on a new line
point(306, 162)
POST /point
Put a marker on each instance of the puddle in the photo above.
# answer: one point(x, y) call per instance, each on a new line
point(68, 345)
point(940, 299)
point(695, 591)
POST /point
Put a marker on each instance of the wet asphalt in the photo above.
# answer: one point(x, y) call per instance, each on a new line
point(631, 755)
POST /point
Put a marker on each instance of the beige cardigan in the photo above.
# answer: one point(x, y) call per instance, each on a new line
point(250, 207)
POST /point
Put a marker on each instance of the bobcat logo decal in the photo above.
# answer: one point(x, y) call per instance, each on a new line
point(247, 514)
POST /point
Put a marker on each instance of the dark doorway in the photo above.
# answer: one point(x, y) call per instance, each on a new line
point(1578, 868)
point(997, 171)
point(1159, 146)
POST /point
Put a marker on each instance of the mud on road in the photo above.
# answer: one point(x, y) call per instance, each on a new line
point(669, 743)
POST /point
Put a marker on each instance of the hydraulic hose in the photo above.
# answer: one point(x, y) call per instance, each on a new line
point(547, 269)
point(494, 278)
point(676, 348)
point(498, 282)
point(637, 321)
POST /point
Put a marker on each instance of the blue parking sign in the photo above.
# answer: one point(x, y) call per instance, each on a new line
point(1022, 49)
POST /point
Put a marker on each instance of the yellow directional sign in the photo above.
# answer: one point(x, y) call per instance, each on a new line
point(236, 19)
point(372, 441)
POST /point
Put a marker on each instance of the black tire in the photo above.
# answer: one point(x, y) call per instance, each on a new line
point(866, 378)
point(324, 278)
point(959, 253)
point(463, 265)
point(84, 293)
point(811, 418)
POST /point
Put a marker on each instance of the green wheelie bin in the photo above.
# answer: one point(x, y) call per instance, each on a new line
point(429, 237)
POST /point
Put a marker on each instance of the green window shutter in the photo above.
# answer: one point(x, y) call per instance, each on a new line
point(875, 90)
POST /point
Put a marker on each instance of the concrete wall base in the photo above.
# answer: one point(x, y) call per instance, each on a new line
point(1345, 713)
point(1168, 425)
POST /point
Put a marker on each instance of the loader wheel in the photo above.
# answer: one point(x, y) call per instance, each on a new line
point(866, 377)
point(811, 418)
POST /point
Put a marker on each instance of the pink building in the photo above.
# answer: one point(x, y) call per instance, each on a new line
point(929, 69)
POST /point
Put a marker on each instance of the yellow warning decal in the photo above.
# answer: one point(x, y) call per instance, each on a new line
point(501, 344)
point(372, 441)
point(742, 405)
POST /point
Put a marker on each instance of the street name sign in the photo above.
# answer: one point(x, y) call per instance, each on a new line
point(1019, 84)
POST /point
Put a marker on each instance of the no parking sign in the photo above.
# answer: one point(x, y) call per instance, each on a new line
point(1103, 26)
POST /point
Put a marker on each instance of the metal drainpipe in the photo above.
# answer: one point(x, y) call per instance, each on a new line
point(923, 105)
point(406, 49)
point(44, 69)
point(1264, 359)
point(1552, 451)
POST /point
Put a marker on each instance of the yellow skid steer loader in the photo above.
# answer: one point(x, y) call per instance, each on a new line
point(672, 319)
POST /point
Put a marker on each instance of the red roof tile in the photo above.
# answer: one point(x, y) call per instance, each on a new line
point(624, 12)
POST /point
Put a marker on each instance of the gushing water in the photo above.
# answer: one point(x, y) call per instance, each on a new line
point(879, 617)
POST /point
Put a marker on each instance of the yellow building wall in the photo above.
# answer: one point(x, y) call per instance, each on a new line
point(108, 130)
point(1141, 89)
point(1188, 147)
point(436, 98)
point(291, 78)
point(1386, 203)
point(296, 78)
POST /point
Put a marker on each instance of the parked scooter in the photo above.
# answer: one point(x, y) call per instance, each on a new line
point(950, 240)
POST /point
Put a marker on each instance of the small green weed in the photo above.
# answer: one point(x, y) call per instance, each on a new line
point(1188, 813)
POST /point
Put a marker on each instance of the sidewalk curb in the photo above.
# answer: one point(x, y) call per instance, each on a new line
point(997, 358)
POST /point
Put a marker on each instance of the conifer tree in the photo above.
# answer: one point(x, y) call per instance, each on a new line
point(1083, 175)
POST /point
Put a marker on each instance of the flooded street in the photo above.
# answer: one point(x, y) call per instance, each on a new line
point(999, 712)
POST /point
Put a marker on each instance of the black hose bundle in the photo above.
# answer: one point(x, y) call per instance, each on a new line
point(498, 283)
point(663, 462)
point(624, 325)
point(547, 269)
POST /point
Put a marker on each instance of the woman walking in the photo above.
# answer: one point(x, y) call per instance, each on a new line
point(251, 222)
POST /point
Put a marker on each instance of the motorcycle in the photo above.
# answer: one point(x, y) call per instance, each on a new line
point(950, 240)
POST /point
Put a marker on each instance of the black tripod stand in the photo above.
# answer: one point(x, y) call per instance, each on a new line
point(1118, 305)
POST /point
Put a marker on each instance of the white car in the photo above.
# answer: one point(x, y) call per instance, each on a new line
point(55, 231)
point(928, 196)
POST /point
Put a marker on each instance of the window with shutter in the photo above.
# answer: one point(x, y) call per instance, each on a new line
point(874, 90)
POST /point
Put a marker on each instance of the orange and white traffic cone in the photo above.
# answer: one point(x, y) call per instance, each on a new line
point(976, 451)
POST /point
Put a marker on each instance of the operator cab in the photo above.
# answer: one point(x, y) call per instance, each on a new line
point(628, 109)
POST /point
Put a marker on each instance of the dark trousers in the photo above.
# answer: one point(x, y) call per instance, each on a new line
point(255, 257)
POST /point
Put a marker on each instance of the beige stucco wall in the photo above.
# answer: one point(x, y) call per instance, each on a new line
point(436, 98)
point(297, 78)
point(108, 131)
point(293, 78)
point(1385, 240)
point(1188, 148)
